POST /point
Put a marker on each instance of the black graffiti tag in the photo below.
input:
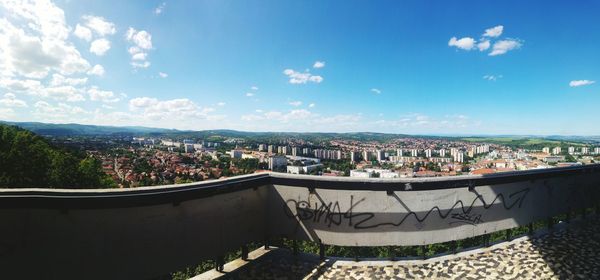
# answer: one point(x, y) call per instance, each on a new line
point(331, 213)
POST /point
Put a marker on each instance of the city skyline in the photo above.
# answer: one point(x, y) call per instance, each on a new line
point(408, 68)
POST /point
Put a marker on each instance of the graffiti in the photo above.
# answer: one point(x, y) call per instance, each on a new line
point(466, 219)
point(331, 214)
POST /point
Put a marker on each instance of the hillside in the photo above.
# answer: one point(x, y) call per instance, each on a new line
point(28, 160)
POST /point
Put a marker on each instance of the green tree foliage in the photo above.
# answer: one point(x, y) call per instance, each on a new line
point(28, 160)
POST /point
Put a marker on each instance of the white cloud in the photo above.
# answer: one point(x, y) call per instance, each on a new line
point(465, 43)
point(492, 77)
point(174, 109)
point(102, 95)
point(139, 56)
point(6, 113)
point(296, 103)
point(319, 64)
point(100, 25)
point(249, 94)
point(221, 104)
point(100, 46)
point(503, 46)
point(141, 38)
point(301, 77)
point(23, 85)
point(144, 64)
point(311, 105)
point(61, 111)
point(578, 83)
point(163, 75)
point(158, 10)
point(254, 88)
point(10, 100)
point(97, 70)
point(375, 91)
point(494, 31)
point(83, 33)
point(142, 41)
point(63, 93)
point(58, 80)
point(36, 42)
point(483, 45)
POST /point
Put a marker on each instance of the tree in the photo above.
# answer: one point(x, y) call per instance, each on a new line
point(28, 160)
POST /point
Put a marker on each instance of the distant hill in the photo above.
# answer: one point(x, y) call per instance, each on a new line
point(72, 129)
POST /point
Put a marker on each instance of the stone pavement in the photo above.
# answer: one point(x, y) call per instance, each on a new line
point(569, 253)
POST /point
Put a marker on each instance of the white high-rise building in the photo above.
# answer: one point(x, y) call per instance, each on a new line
point(585, 150)
point(399, 152)
point(262, 148)
point(380, 155)
point(597, 150)
point(271, 149)
point(366, 155)
point(428, 153)
point(556, 151)
point(353, 156)
point(414, 152)
point(571, 150)
point(546, 150)
point(277, 162)
point(295, 151)
point(453, 151)
point(458, 157)
point(442, 152)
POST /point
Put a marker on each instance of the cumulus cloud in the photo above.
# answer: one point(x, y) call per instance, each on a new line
point(163, 75)
point(101, 26)
point(83, 32)
point(254, 88)
point(221, 104)
point(503, 46)
point(59, 80)
point(494, 31)
point(483, 45)
point(102, 95)
point(296, 77)
point(319, 64)
point(296, 103)
point(97, 70)
point(311, 105)
point(35, 43)
point(61, 111)
point(100, 46)
point(142, 42)
point(141, 39)
point(579, 83)
point(10, 100)
point(465, 43)
point(487, 41)
point(249, 94)
point(174, 109)
point(375, 91)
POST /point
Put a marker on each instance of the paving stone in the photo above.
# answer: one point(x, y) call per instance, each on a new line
point(564, 254)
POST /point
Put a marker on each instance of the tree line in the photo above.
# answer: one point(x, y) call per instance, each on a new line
point(28, 160)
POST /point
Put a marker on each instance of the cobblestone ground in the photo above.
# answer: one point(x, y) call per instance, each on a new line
point(564, 254)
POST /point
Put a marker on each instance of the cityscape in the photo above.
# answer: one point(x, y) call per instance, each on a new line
point(155, 161)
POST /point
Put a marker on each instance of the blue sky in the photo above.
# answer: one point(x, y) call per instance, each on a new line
point(418, 67)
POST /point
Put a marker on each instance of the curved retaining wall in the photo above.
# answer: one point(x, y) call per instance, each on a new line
point(148, 232)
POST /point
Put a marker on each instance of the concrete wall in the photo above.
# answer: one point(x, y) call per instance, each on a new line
point(127, 243)
point(378, 218)
point(149, 232)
